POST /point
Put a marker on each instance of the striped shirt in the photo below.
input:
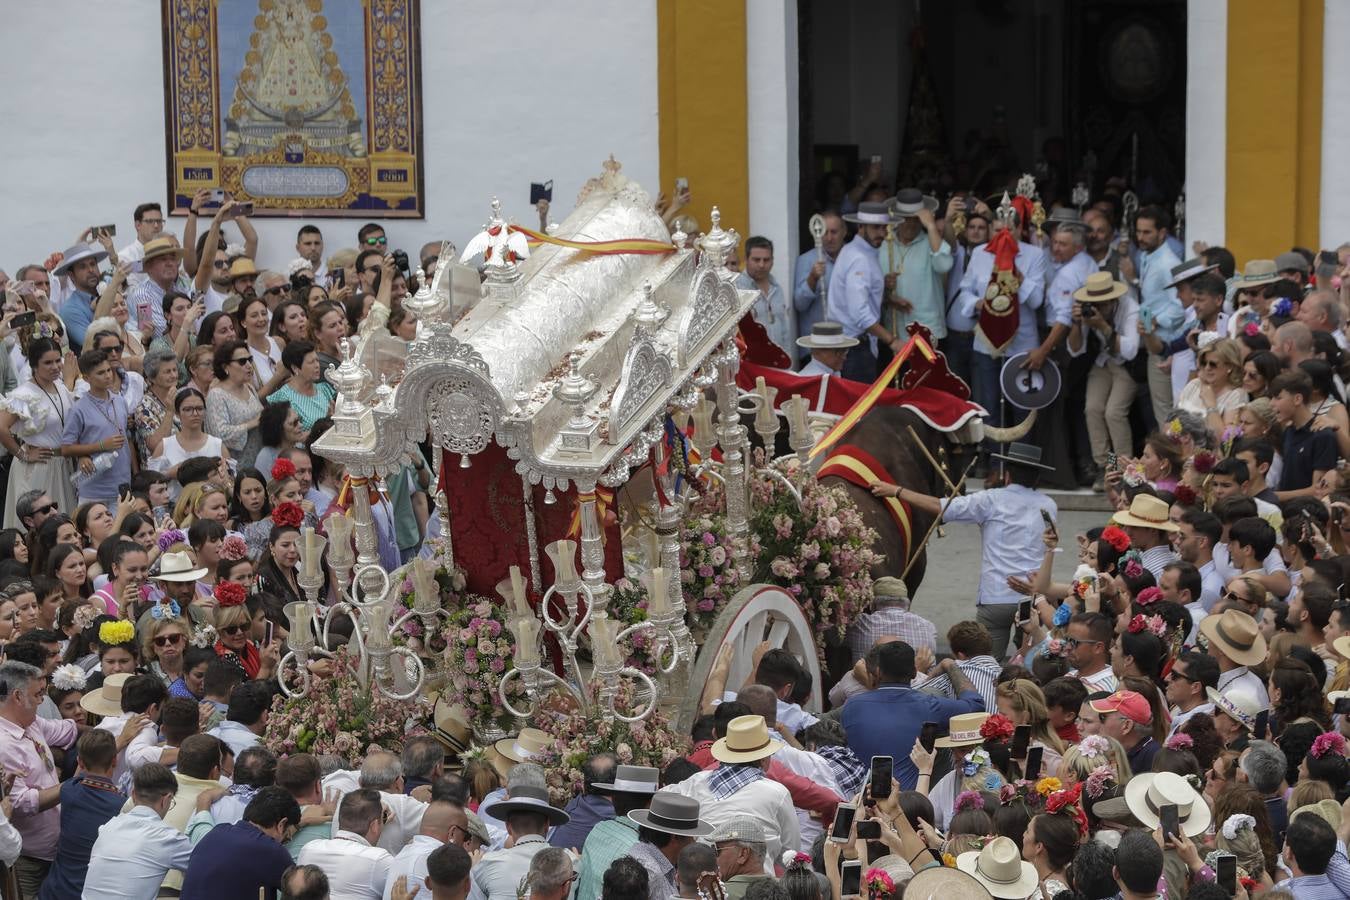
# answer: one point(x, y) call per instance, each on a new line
point(981, 671)
point(892, 620)
point(607, 842)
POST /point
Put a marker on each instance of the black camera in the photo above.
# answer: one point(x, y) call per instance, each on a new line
point(401, 260)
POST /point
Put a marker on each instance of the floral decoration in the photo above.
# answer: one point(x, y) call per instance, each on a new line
point(1099, 780)
point(1148, 596)
point(577, 737)
point(1204, 462)
point(974, 760)
point(85, 616)
point(1049, 785)
point(949, 860)
point(69, 677)
point(282, 468)
point(338, 716)
point(1022, 791)
point(168, 537)
point(111, 634)
point(479, 651)
point(288, 514)
point(1282, 308)
point(878, 881)
point(229, 593)
point(412, 633)
point(1093, 746)
point(997, 727)
point(1152, 624)
point(1056, 647)
point(628, 606)
point(821, 553)
point(708, 574)
point(233, 548)
point(1328, 742)
point(165, 609)
point(1174, 428)
point(1133, 563)
point(1116, 538)
point(1066, 801)
point(1251, 329)
point(1063, 612)
point(1236, 823)
point(1186, 495)
point(203, 636)
point(1180, 741)
point(969, 800)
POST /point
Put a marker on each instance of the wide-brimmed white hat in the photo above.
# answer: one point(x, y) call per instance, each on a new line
point(527, 798)
point(107, 700)
point(1148, 792)
point(963, 730)
point(827, 336)
point(1241, 706)
point(77, 253)
point(178, 566)
point(1099, 288)
point(1146, 511)
point(747, 740)
point(1001, 869)
point(524, 746)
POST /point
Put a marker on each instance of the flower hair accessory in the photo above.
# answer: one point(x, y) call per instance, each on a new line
point(288, 514)
point(997, 728)
point(1174, 427)
point(233, 548)
point(85, 616)
point(1148, 596)
point(1180, 741)
point(229, 593)
point(1056, 648)
point(165, 609)
point(1186, 495)
point(1329, 742)
point(1116, 538)
point(69, 677)
point(111, 634)
point(795, 858)
point(1154, 625)
point(878, 880)
point(1236, 823)
point(1093, 746)
point(282, 468)
point(975, 759)
point(1282, 307)
point(168, 537)
point(1063, 613)
point(1098, 780)
point(1204, 462)
point(203, 636)
point(1048, 785)
point(969, 800)
point(1066, 801)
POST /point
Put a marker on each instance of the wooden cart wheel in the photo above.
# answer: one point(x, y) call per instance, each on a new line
point(757, 613)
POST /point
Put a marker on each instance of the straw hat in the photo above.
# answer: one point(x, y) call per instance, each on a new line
point(747, 740)
point(947, 883)
point(963, 730)
point(1237, 635)
point(107, 700)
point(524, 746)
point(161, 246)
point(1327, 810)
point(1148, 792)
point(672, 813)
point(1146, 511)
point(1256, 273)
point(1239, 705)
point(1099, 288)
point(178, 566)
point(1001, 869)
point(241, 267)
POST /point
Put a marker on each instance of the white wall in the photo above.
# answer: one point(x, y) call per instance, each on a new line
point(1335, 216)
point(511, 93)
point(772, 104)
point(1207, 120)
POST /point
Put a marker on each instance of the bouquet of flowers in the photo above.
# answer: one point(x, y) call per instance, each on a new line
point(708, 574)
point(479, 651)
point(412, 632)
point(821, 553)
point(628, 606)
point(340, 717)
point(577, 737)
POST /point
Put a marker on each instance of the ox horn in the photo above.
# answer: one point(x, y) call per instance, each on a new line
point(1015, 433)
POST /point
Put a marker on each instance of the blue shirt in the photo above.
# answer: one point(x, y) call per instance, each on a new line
point(586, 811)
point(1070, 277)
point(856, 285)
point(807, 301)
point(1158, 300)
point(77, 312)
point(887, 721)
point(90, 421)
point(87, 802)
point(216, 870)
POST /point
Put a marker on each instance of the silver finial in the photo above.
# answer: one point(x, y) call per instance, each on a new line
point(649, 314)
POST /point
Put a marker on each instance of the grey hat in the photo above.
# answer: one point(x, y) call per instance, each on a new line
point(1292, 261)
point(740, 828)
point(527, 798)
point(77, 253)
point(672, 814)
point(476, 828)
point(1023, 455)
point(827, 336)
point(1190, 269)
point(873, 213)
point(631, 780)
point(908, 202)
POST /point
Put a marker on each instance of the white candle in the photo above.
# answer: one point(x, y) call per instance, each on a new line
point(527, 646)
point(311, 554)
point(602, 643)
point(518, 592)
point(653, 548)
point(658, 604)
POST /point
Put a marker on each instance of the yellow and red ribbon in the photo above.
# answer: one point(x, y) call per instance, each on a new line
point(604, 498)
point(622, 245)
point(865, 403)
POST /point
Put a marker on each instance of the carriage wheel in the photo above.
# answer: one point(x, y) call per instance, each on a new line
point(757, 613)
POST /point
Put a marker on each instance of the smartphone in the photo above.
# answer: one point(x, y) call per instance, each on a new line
point(243, 209)
point(843, 822)
point(869, 830)
point(928, 735)
point(1024, 611)
point(123, 489)
point(1049, 522)
point(1032, 770)
point(681, 184)
point(1342, 706)
point(1112, 462)
point(23, 320)
point(851, 883)
point(1225, 873)
point(1262, 724)
point(268, 630)
point(1167, 817)
point(110, 229)
point(1020, 742)
point(1146, 316)
point(339, 278)
point(882, 767)
point(541, 191)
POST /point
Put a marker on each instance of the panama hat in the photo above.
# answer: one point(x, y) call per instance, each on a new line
point(1146, 511)
point(907, 203)
point(873, 213)
point(1001, 869)
point(827, 336)
point(1148, 792)
point(1237, 635)
point(107, 700)
point(527, 798)
point(161, 246)
point(963, 730)
point(747, 740)
point(241, 267)
point(1239, 705)
point(1256, 273)
point(631, 780)
point(1020, 454)
point(947, 883)
point(1327, 810)
point(524, 746)
point(178, 566)
point(1099, 288)
point(672, 814)
point(76, 254)
point(1190, 269)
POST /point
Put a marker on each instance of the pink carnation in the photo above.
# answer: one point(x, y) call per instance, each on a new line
point(1330, 742)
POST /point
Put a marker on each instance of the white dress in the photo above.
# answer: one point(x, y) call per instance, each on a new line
point(265, 364)
point(40, 421)
point(172, 453)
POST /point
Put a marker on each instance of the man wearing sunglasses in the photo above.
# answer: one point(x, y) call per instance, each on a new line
point(1187, 686)
point(33, 508)
point(372, 237)
point(1090, 636)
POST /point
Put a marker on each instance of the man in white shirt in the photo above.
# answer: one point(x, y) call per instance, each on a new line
point(1191, 676)
point(250, 705)
point(528, 816)
point(829, 348)
point(149, 222)
point(738, 787)
point(857, 290)
point(772, 308)
point(812, 273)
point(309, 244)
point(1090, 637)
point(1181, 584)
point(383, 772)
point(1236, 642)
point(356, 868)
point(438, 822)
point(134, 851)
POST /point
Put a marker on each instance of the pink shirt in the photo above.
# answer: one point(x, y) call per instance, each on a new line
point(27, 753)
point(104, 597)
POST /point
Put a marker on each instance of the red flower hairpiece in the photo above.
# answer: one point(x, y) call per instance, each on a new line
point(1204, 462)
point(1117, 538)
point(1067, 801)
point(282, 468)
point(1330, 742)
point(1148, 596)
point(229, 593)
point(288, 514)
point(997, 728)
point(1186, 495)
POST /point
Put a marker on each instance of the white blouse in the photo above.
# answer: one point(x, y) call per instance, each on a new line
point(41, 415)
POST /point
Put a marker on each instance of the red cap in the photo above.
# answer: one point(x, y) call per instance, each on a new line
point(1129, 704)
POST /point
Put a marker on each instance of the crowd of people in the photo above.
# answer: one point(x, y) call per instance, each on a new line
point(1169, 723)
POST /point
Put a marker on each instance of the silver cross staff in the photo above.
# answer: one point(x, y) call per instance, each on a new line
point(817, 229)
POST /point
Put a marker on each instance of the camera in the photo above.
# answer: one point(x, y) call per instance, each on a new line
point(401, 260)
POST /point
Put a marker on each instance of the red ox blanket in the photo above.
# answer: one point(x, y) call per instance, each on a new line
point(858, 467)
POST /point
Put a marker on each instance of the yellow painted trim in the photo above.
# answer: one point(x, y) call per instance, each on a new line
point(1274, 126)
point(701, 98)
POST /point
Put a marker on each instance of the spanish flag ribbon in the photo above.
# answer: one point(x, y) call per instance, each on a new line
point(622, 245)
point(344, 496)
point(860, 468)
point(604, 498)
point(865, 403)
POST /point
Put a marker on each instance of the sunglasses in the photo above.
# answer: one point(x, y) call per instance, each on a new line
point(1071, 643)
point(274, 290)
point(233, 629)
point(221, 264)
point(1174, 675)
point(1209, 364)
point(381, 241)
point(50, 507)
point(243, 361)
point(168, 640)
